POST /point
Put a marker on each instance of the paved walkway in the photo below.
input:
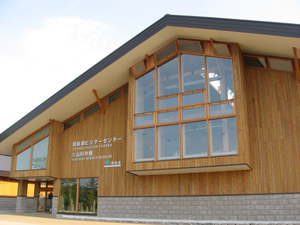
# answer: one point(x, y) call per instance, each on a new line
point(44, 219)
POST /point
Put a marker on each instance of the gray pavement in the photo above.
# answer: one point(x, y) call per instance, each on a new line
point(44, 219)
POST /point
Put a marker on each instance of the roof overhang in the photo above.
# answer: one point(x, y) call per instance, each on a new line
point(264, 38)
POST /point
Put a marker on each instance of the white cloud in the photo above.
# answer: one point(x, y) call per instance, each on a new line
point(44, 60)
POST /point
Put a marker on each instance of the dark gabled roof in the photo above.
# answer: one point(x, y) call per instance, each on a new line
point(256, 27)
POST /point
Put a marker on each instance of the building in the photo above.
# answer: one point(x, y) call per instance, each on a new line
point(194, 118)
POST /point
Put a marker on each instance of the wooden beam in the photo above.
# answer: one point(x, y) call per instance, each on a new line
point(99, 102)
point(297, 64)
point(51, 121)
point(212, 45)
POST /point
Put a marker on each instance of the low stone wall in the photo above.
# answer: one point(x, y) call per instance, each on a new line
point(54, 205)
point(8, 204)
point(268, 207)
point(31, 204)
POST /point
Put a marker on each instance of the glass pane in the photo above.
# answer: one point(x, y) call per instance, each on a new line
point(30, 190)
point(194, 140)
point(43, 184)
point(255, 62)
point(72, 122)
point(144, 145)
point(138, 68)
point(144, 120)
point(168, 142)
point(192, 70)
point(167, 117)
point(42, 198)
point(280, 64)
point(91, 111)
point(220, 85)
point(144, 93)
point(189, 46)
point(165, 52)
point(50, 184)
point(167, 102)
point(23, 160)
point(193, 98)
point(49, 201)
point(221, 49)
point(39, 155)
point(126, 90)
point(115, 97)
point(221, 109)
point(67, 198)
point(88, 191)
point(168, 83)
point(24, 144)
point(193, 113)
point(223, 137)
point(41, 134)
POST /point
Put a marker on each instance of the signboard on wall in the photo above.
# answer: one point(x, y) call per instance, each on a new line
point(87, 150)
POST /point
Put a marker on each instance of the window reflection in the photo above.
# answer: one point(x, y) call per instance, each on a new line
point(39, 155)
point(223, 136)
point(194, 139)
point(168, 75)
point(168, 142)
point(23, 160)
point(192, 72)
point(68, 194)
point(144, 93)
point(144, 144)
point(220, 85)
point(88, 191)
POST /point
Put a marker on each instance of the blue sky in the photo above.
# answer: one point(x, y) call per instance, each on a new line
point(45, 44)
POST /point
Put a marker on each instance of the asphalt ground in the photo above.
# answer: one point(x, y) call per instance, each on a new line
point(45, 219)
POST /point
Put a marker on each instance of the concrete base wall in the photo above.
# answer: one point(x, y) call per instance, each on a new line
point(270, 207)
point(31, 204)
point(21, 204)
point(8, 204)
point(54, 205)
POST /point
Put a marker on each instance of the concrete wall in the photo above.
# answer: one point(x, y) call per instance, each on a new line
point(8, 204)
point(271, 207)
point(54, 205)
point(31, 204)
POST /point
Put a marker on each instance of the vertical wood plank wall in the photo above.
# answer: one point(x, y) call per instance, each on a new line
point(271, 111)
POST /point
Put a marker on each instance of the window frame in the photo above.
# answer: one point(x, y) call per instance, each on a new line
point(206, 104)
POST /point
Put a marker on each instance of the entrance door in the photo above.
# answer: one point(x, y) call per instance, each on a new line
point(45, 197)
point(45, 201)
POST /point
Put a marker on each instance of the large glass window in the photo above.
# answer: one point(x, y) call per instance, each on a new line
point(220, 85)
point(68, 194)
point(88, 191)
point(87, 198)
point(194, 140)
point(192, 72)
point(144, 93)
point(168, 78)
point(223, 136)
point(39, 155)
point(185, 105)
point(168, 142)
point(23, 160)
point(36, 150)
point(144, 144)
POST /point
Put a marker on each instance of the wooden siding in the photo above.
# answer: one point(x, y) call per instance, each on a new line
point(268, 122)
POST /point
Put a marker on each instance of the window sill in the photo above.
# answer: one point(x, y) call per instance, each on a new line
point(204, 169)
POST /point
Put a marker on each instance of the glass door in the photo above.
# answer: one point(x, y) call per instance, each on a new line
point(45, 197)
